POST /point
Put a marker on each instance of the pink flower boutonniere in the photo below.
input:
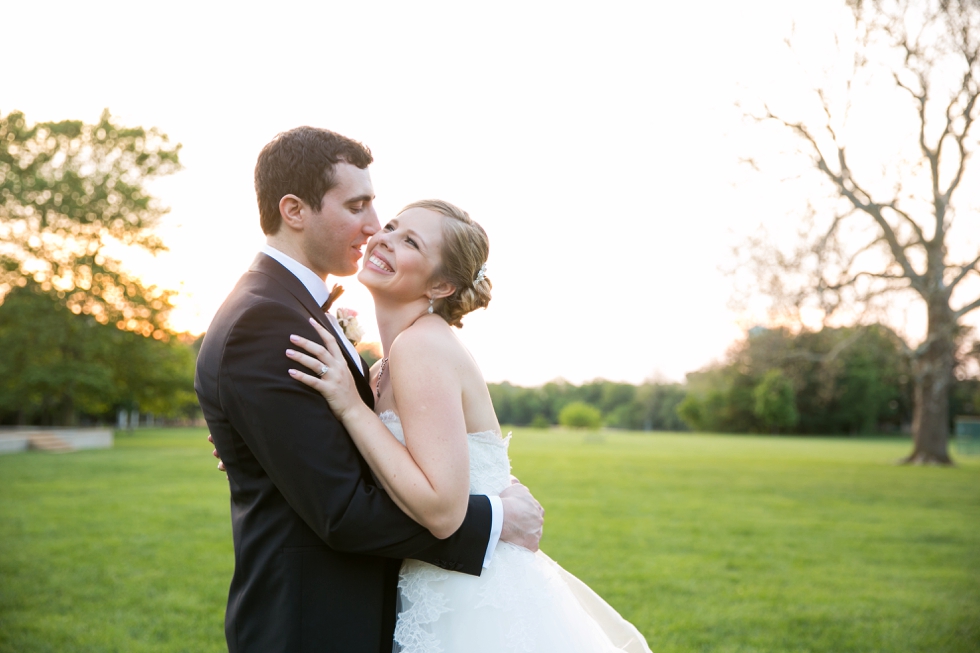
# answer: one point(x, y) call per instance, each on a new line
point(348, 322)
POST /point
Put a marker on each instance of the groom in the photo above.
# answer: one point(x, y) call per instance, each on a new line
point(317, 543)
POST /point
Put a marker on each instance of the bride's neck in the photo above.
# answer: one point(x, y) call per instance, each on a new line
point(395, 318)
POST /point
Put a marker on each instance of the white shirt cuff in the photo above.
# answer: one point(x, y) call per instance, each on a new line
point(496, 525)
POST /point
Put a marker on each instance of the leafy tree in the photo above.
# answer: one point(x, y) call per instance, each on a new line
point(965, 399)
point(893, 223)
point(850, 380)
point(580, 415)
point(50, 366)
point(516, 405)
point(56, 366)
point(153, 376)
point(775, 403)
point(70, 190)
point(652, 407)
point(615, 395)
point(553, 396)
point(78, 334)
point(719, 399)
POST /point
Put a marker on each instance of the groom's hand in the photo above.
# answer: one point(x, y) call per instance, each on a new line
point(221, 465)
point(523, 517)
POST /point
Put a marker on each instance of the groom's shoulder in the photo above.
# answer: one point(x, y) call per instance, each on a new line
point(256, 299)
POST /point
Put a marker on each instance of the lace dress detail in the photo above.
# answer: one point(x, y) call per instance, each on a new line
point(523, 602)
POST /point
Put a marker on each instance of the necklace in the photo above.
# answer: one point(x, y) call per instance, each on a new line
point(381, 373)
point(384, 363)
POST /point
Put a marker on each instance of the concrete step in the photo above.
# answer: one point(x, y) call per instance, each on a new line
point(49, 442)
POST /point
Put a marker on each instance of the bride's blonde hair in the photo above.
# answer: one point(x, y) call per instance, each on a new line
point(465, 249)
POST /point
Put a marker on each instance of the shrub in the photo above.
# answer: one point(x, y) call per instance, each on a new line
point(540, 422)
point(580, 415)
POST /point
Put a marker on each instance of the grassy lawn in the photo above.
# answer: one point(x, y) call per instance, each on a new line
point(707, 543)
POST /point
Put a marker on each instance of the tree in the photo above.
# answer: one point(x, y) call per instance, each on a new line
point(51, 368)
point(839, 380)
point(890, 230)
point(68, 191)
point(653, 407)
point(516, 405)
point(78, 334)
point(56, 366)
point(580, 415)
point(775, 403)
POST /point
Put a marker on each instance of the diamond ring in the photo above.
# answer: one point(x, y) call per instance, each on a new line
point(323, 370)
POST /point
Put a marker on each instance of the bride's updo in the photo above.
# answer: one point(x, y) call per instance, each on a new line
point(465, 248)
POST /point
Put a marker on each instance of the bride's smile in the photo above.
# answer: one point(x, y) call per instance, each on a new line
point(377, 261)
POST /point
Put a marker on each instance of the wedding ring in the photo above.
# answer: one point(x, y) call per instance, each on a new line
point(323, 370)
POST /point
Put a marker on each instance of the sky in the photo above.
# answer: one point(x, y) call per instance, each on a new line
point(600, 146)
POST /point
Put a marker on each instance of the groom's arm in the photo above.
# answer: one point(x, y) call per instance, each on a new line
point(290, 430)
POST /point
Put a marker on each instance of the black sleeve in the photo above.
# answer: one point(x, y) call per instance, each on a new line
point(312, 461)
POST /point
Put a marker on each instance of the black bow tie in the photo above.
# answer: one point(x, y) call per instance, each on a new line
point(335, 292)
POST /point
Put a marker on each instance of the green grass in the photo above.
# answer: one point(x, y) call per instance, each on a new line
point(707, 543)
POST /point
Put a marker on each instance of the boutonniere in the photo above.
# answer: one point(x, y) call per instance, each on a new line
point(347, 318)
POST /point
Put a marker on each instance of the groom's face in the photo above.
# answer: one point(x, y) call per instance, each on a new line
point(334, 236)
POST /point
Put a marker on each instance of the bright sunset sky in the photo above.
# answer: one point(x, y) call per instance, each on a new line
point(598, 144)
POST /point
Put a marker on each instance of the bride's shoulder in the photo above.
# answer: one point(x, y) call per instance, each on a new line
point(429, 336)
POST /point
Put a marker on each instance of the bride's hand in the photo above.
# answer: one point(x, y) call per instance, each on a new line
point(330, 376)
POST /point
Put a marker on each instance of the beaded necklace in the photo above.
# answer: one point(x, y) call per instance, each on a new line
point(381, 373)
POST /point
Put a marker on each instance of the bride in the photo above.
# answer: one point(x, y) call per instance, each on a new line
point(436, 440)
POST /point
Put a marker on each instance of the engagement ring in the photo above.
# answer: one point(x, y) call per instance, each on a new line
point(323, 370)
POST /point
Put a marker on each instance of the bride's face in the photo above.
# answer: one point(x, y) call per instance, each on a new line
point(403, 258)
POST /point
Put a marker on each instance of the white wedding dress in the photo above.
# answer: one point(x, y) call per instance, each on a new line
point(523, 602)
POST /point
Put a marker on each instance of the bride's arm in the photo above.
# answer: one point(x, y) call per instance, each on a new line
point(428, 480)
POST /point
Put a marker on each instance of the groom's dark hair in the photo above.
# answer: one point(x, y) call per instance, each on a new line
point(301, 162)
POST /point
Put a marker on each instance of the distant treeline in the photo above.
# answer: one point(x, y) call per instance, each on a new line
point(59, 368)
point(833, 381)
point(647, 407)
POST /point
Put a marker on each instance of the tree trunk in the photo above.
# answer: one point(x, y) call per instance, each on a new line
point(69, 417)
point(933, 372)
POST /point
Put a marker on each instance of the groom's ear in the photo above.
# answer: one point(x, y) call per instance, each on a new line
point(291, 210)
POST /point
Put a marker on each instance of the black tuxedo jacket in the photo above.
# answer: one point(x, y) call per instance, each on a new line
point(317, 542)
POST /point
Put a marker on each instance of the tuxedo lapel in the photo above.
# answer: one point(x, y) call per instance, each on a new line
point(268, 266)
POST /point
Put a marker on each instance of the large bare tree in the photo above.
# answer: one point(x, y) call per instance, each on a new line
point(888, 229)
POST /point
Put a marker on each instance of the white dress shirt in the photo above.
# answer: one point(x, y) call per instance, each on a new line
point(318, 288)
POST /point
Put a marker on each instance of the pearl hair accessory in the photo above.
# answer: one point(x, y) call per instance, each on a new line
point(481, 275)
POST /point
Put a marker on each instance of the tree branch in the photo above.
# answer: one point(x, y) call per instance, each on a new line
point(975, 304)
point(964, 270)
point(850, 190)
point(968, 118)
point(893, 205)
point(876, 275)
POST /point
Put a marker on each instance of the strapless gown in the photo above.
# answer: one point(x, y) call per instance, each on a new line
point(523, 602)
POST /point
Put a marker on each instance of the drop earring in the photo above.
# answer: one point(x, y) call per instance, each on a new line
point(430, 306)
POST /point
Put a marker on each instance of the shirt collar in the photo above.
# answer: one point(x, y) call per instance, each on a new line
point(310, 280)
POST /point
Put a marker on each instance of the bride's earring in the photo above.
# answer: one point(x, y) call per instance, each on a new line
point(430, 306)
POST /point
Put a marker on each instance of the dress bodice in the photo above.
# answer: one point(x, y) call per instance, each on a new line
point(489, 464)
